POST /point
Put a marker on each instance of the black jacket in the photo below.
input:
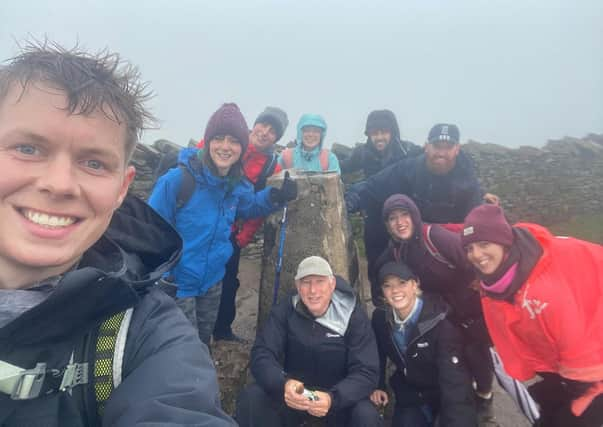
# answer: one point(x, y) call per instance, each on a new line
point(440, 198)
point(292, 344)
point(432, 370)
point(168, 377)
point(366, 158)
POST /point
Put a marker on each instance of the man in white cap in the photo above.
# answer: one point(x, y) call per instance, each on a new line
point(315, 356)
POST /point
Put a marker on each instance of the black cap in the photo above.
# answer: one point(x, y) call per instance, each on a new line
point(444, 132)
point(398, 269)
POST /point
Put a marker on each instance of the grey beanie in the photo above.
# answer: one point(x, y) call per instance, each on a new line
point(276, 117)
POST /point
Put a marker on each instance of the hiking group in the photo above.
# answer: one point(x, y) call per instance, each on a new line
point(108, 304)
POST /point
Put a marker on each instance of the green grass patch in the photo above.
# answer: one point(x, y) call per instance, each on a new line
point(586, 227)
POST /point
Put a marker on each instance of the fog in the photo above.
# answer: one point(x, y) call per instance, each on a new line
point(507, 72)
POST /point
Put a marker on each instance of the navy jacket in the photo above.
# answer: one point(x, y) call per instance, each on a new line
point(341, 360)
point(432, 370)
point(168, 378)
point(440, 198)
point(365, 157)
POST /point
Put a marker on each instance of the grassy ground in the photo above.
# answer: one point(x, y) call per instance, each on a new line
point(587, 227)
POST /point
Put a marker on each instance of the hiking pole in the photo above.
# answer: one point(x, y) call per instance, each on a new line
point(281, 248)
point(279, 259)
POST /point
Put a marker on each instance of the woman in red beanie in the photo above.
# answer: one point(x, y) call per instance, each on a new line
point(542, 298)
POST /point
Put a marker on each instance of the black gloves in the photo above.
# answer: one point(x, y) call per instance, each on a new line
point(286, 193)
point(352, 201)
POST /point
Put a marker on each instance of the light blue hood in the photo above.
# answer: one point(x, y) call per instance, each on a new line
point(311, 120)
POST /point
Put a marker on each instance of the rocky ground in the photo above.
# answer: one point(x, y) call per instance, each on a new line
point(231, 359)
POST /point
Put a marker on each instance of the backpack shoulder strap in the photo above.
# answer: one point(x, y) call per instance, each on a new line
point(324, 159)
point(431, 247)
point(108, 357)
point(267, 170)
point(187, 187)
point(287, 156)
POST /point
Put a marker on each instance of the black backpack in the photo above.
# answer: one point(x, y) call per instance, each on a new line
point(169, 161)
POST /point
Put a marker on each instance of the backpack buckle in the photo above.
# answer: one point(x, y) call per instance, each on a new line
point(27, 383)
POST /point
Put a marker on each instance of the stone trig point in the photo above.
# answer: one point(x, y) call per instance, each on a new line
point(316, 225)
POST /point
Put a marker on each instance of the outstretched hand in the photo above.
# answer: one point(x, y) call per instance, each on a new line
point(352, 201)
point(287, 192)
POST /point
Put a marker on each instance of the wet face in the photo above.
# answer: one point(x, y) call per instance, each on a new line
point(225, 151)
point(62, 177)
point(262, 136)
point(315, 292)
point(441, 156)
point(399, 225)
point(400, 294)
point(380, 138)
point(311, 137)
point(486, 256)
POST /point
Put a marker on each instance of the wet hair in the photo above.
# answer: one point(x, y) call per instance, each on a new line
point(91, 82)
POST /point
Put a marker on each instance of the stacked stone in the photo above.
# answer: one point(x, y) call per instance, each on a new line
point(316, 225)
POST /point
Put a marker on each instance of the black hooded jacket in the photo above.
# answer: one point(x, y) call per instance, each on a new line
point(293, 344)
point(168, 378)
point(366, 158)
point(431, 371)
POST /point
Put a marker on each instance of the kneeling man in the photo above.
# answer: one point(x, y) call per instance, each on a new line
point(316, 356)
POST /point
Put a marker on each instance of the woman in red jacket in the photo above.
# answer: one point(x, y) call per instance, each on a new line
point(543, 304)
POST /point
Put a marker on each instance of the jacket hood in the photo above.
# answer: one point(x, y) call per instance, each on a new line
point(401, 201)
point(311, 120)
point(137, 248)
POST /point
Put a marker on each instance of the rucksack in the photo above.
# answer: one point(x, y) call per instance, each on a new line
point(187, 186)
point(323, 157)
point(431, 248)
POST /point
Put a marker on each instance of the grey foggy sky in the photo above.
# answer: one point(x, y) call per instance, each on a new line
point(509, 72)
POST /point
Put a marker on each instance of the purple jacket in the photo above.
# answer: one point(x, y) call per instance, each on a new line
point(448, 273)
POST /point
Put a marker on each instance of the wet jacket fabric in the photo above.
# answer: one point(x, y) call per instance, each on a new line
point(555, 321)
point(254, 161)
point(340, 359)
point(116, 273)
point(205, 221)
point(310, 160)
point(451, 275)
point(440, 198)
point(432, 370)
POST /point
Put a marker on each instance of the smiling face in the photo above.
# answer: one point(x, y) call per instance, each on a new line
point(486, 256)
point(399, 225)
point(224, 151)
point(62, 177)
point(380, 138)
point(311, 137)
point(315, 292)
point(262, 136)
point(400, 294)
point(441, 156)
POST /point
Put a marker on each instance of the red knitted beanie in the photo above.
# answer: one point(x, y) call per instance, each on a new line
point(487, 223)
